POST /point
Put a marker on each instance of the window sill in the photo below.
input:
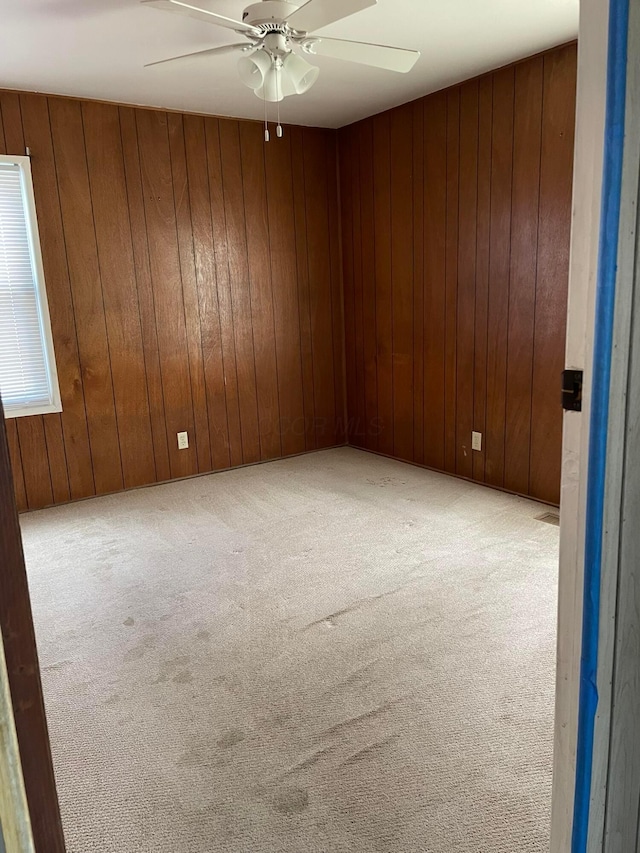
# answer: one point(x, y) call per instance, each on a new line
point(32, 411)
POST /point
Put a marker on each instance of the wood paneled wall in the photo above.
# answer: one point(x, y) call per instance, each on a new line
point(456, 213)
point(194, 283)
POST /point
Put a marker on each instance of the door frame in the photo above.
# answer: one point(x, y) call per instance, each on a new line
point(598, 690)
point(583, 274)
point(15, 825)
point(23, 671)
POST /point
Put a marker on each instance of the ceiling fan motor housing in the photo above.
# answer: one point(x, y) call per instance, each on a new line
point(268, 12)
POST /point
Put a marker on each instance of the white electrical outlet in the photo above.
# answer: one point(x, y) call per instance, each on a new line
point(476, 441)
point(183, 440)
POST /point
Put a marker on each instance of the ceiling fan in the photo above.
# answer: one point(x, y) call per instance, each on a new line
point(278, 32)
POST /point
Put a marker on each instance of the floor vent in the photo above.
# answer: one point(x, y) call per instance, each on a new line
point(550, 518)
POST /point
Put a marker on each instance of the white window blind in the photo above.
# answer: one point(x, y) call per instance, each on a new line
point(28, 380)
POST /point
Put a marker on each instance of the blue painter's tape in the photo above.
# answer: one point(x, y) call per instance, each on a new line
point(605, 304)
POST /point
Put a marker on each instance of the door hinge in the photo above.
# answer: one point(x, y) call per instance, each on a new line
point(572, 390)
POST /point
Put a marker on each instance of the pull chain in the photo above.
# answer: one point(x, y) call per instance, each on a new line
point(279, 131)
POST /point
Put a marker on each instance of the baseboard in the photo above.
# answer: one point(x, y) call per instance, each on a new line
point(188, 477)
point(456, 476)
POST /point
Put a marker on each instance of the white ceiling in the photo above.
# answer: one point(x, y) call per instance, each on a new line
point(96, 49)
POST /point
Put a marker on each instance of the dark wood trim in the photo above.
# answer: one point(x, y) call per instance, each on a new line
point(24, 673)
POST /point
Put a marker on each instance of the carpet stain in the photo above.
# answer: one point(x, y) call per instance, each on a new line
point(56, 667)
point(129, 622)
point(291, 801)
point(231, 738)
point(197, 756)
point(203, 635)
point(175, 669)
point(383, 482)
point(140, 649)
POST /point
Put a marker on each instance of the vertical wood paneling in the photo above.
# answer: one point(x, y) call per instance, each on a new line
point(435, 219)
point(86, 287)
point(359, 426)
point(228, 172)
point(384, 310)
point(185, 293)
point(349, 249)
point(466, 310)
point(148, 323)
point(37, 135)
point(304, 299)
point(522, 287)
point(553, 269)
point(164, 264)
point(321, 305)
point(451, 278)
point(337, 290)
point(402, 277)
point(57, 458)
point(12, 126)
point(33, 453)
point(483, 231)
point(418, 279)
point(211, 286)
point(260, 285)
point(499, 261)
point(185, 231)
point(282, 258)
point(368, 248)
point(470, 234)
point(115, 254)
point(225, 313)
point(16, 465)
point(222, 452)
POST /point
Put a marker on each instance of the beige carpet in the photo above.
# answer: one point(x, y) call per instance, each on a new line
point(336, 653)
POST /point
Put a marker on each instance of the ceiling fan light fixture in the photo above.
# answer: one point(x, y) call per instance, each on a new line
point(275, 29)
point(300, 73)
point(254, 69)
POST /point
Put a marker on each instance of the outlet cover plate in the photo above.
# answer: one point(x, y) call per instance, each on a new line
point(476, 441)
point(183, 440)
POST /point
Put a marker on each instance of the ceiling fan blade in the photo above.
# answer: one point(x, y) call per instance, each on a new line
point(220, 51)
point(184, 8)
point(378, 55)
point(320, 13)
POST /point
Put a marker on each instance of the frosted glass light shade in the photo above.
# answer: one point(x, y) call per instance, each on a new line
point(300, 74)
point(253, 69)
point(273, 79)
point(272, 87)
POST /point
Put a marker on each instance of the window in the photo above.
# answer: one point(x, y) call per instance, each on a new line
point(28, 378)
